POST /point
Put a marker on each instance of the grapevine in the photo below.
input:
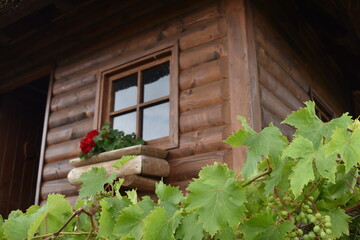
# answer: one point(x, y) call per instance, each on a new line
point(306, 188)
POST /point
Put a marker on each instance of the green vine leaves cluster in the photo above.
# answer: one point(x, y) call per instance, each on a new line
point(300, 189)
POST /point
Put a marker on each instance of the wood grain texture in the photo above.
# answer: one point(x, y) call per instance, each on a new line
point(63, 85)
point(61, 186)
point(203, 53)
point(56, 170)
point(61, 151)
point(212, 93)
point(69, 132)
point(203, 74)
point(205, 117)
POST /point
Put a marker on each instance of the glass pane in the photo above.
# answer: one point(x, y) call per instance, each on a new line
point(156, 121)
point(156, 82)
point(125, 122)
point(125, 92)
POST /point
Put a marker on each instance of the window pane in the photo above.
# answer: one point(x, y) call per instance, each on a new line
point(125, 92)
point(125, 122)
point(156, 82)
point(156, 121)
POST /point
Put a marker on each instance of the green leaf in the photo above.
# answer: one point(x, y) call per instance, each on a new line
point(311, 127)
point(190, 228)
point(216, 174)
point(93, 181)
point(110, 210)
point(264, 227)
point(124, 159)
point(168, 194)
point(132, 195)
point(131, 219)
point(159, 226)
point(279, 177)
point(339, 220)
point(347, 144)
point(238, 138)
point(16, 228)
point(268, 142)
point(218, 203)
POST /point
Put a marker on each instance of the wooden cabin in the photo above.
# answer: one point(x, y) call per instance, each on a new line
point(209, 60)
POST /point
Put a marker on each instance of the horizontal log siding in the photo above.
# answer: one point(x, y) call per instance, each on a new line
point(203, 97)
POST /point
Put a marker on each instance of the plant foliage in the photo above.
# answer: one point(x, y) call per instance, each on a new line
point(302, 189)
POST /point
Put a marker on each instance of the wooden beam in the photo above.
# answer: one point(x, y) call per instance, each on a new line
point(243, 75)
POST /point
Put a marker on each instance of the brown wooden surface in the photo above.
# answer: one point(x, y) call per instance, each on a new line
point(56, 170)
point(61, 186)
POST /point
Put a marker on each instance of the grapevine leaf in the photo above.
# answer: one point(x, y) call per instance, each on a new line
point(216, 174)
point(347, 144)
point(269, 141)
point(279, 177)
point(132, 195)
point(32, 209)
point(159, 226)
point(124, 159)
point(110, 208)
point(190, 228)
point(217, 205)
point(168, 193)
point(93, 181)
point(302, 174)
point(327, 167)
point(339, 221)
point(238, 138)
point(16, 227)
point(226, 234)
point(311, 127)
point(264, 227)
point(131, 219)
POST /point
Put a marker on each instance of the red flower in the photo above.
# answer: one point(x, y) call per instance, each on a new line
point(87, 144)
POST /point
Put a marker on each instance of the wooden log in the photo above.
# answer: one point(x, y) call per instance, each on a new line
point(61, 151)
point(186, 168)
point(72, 114)
point(280, 75)
point(56, 170)
point(61, 186)
point(279, 90)
point(203, 74)
point(203, 14)
point(118, 153)
point(69, 132)
point(269, 117)
point(203, 53)
point(73, 97)
point(202, 141)
point(205, 117)
point(144, 165)
point(209, 31)
point(63, 85)
point(206, 95)
point(275, 105)
point(279, 50)
point(140, 183)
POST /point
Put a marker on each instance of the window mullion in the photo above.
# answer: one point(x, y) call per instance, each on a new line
point(138, 110)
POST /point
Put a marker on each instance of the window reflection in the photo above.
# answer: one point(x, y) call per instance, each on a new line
point(156, 82)
point(125, 122)
point(125, 92)
point(156, 121)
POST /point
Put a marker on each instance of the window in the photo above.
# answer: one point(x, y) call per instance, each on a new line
point(141, 97)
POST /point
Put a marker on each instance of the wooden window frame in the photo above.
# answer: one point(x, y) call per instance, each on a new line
point(137, 63)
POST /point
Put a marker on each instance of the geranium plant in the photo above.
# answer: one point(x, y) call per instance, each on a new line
point(107, 139)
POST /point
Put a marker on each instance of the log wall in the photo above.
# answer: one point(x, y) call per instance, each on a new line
point(204, 106)
point(286, 78)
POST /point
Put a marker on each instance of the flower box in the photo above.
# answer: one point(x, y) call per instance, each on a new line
point(142, 172)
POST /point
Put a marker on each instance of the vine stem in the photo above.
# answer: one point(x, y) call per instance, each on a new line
point(254, 178)
point(62, 234)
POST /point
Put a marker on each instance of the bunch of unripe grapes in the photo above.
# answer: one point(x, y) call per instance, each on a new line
point(305, 215)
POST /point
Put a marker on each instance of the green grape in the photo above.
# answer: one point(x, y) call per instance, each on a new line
point(309, 216)
point(308, 202)
point(271, 199)
point(284, 213)
point(328, 225)
point(328, 231)
point(327, 218)
point(306, 237)
point(309, 211)
point(311, 198)
point(304, 220)
point(305, 206)
point(313, 220)
point(293, 234)
point(302, 215)
point(271, 205)
point(311, 235)
point(277, 201)
point(298, 218)
point(287, 199)
point(318, 215)
point(316, 229)
point(300, 232)
point(295, 238)
point(322, 234)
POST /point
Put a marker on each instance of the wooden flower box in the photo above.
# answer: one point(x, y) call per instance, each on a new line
point(142, 172)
